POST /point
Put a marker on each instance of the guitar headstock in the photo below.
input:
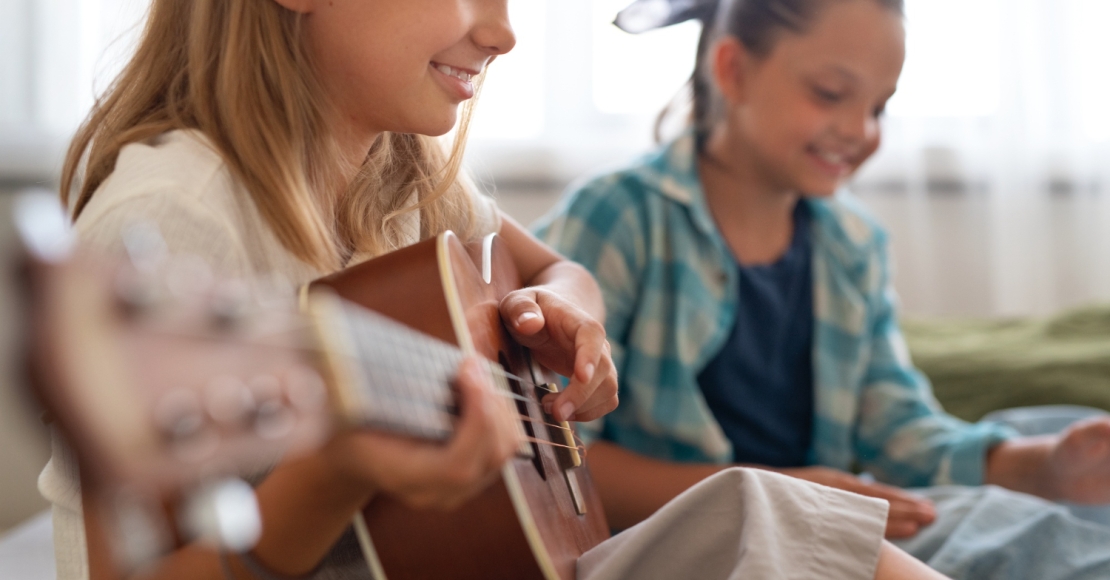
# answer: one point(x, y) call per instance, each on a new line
point(161, 377)
point(160, 384)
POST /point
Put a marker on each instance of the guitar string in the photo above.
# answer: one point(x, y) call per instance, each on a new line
point(429, 402)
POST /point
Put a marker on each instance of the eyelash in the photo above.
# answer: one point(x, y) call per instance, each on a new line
point(830, 97)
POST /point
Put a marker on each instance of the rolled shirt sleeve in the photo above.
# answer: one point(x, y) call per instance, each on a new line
point(903, 436)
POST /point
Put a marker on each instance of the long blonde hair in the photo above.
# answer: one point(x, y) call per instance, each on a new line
point(237, 71)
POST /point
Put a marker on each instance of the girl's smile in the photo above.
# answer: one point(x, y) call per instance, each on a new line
point(458, 81)
point(835, 164)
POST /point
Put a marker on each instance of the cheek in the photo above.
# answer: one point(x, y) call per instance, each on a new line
point(789, 130)
point(870, 147)
point(357, 58)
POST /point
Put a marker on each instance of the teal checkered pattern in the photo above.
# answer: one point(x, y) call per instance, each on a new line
point(669, 283)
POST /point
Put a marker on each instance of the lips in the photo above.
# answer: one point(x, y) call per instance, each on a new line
point(834, 163)
point(458, 82)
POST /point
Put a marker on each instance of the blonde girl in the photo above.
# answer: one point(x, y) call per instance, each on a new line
point(288, 138)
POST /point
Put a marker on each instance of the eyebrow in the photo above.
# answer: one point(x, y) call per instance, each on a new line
point(843, 71)
point(853, 77)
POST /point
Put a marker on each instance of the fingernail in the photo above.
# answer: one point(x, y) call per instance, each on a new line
point(590, 371)
point(526, 317)
point(548, 407)
point(566, 410)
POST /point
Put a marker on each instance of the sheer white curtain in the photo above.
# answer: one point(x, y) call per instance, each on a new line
point(54, 56)
point(996, 161)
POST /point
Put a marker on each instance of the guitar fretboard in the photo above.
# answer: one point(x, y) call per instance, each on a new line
point(401, 377)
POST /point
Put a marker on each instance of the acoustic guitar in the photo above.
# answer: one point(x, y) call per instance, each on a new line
point(544, 512)
point(167, 382)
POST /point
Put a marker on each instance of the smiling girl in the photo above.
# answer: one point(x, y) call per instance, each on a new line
point(749, 300)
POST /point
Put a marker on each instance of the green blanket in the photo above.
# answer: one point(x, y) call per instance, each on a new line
point(978, 366)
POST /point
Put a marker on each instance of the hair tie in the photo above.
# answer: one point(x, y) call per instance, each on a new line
point(645, 15)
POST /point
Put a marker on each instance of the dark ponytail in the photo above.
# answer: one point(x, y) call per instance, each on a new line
point(758, 25)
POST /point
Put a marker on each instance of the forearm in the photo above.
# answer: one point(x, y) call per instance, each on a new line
point(633, 486)
point(539, 265)
point(304, 510)
point(1021, 465)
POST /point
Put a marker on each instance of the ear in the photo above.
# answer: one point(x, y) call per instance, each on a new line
point(298, 6)
point(731, 67)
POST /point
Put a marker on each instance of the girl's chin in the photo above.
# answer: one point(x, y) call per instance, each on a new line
point(432, 127)
point(820, 188)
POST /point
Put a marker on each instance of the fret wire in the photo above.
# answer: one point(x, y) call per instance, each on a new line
point(423, 387)
point(373, 361)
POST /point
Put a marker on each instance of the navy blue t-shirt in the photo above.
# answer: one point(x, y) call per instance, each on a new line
point(760, 386)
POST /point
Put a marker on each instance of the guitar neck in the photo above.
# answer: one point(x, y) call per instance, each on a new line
point(387, 376)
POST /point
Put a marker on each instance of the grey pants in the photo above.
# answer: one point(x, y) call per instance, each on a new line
point(989, 533)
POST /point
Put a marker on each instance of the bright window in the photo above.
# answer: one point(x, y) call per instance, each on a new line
point(512, 102)
point(953, 59)
point(638, 74)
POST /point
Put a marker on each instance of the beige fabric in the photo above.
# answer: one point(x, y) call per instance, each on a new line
point(748, 524)
point(179, 184)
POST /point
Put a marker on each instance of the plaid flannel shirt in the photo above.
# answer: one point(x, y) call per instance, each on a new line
point(670, 288)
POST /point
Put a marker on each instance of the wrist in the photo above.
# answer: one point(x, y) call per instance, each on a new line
point(1024, 465)
point(347, 480)
point(307, 503)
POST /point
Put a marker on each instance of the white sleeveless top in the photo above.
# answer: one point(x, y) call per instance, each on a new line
point(179, 183)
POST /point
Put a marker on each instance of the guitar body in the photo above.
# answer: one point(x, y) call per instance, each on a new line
point(543, 513)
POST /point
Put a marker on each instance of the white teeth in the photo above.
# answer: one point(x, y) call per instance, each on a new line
point(454, 72)
point(831, 158)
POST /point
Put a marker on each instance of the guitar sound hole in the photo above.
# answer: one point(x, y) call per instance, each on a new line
point(525, 412)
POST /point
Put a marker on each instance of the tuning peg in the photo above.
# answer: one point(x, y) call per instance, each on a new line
point(230, 305)
point(228, 400)
point(273, 418)
point(225, 514)
point(136, 292)
point(179, 415)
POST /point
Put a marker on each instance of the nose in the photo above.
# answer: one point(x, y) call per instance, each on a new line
point(862, 126)
point(493, 32)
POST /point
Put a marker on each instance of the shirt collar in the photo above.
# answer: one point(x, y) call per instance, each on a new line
point(676, 177)
point(674, 172)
